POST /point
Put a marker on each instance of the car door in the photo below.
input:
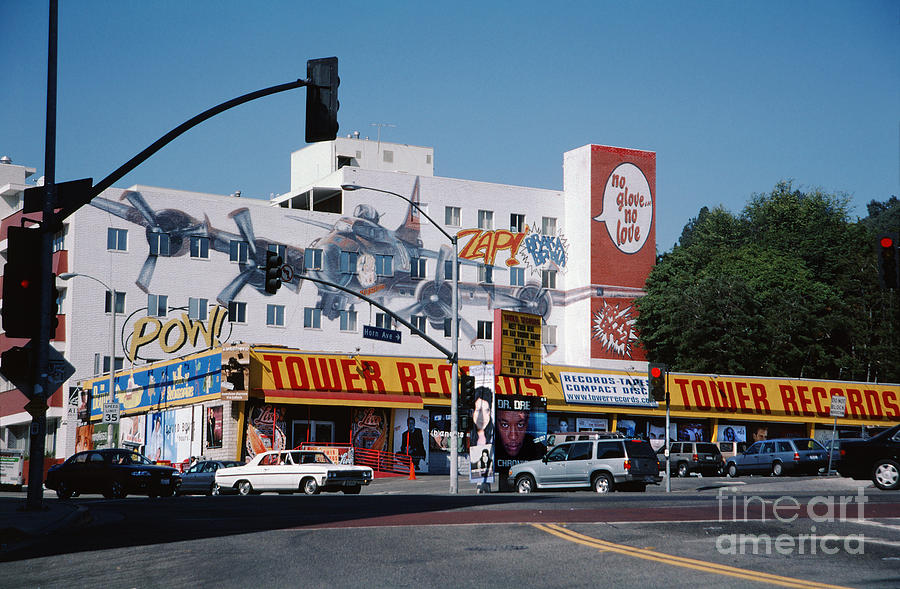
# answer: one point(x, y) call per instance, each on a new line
point(578, 464)
point(766, 457)
point(191, 478)
point(552, 470)
point(97, 474)
point(746, 462)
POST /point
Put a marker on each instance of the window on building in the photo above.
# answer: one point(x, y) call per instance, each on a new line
point(485, 330)
point(451, 216)
point(548, 335)
point(485, 274)
point(279, 249)
point(238, 251)
point(448, 327)
point(548, 225)
point(120, 303)
point(417, 268)
point(157, 305)
point(388, 156)
point(348, 320)
point(117, 239)
point(384, 265)
point(384, 321)
point(275, 315)
point(312, 259)
point(486, 220)
point(237, 312)
point(516, 276)
point(312, 318)
point(516, 222)
point(200, 247)
point(348, 262)
point(197, 309)
point(59, 239)
point(448, 270)
point(418, 321)
point(548, 278)
point(101, 364)
point(159, 244)
point(427, 158)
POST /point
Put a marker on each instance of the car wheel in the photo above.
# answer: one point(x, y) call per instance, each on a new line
point(244, 488)
point(63, 491)
point(215, 490)
point(353, 490)
point(309, 486)
point(777, 469)
point(602, 483)
point(525, 484)
point(682, 469)
point(116, 491)
point(732, 470)
point(886, 475)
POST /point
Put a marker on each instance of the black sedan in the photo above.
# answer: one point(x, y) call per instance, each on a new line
point(877, 458)
point(201, 478)
point(113, 472)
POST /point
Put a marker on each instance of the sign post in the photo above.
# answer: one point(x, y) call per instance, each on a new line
point(838, 407)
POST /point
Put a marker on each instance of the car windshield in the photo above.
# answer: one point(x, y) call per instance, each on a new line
point(639, 449)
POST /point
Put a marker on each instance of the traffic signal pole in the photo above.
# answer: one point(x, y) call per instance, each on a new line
point(42, 357)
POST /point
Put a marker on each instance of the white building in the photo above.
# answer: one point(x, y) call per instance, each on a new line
point(577, 257)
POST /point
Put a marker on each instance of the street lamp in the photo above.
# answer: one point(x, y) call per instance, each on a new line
point(454, 329)
point(112, 331)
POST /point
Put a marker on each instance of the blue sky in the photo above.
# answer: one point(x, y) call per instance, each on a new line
point(732, 96)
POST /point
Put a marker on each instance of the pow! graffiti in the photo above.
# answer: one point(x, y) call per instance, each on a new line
point(613, 327)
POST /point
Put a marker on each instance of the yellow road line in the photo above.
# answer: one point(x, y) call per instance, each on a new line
point(699, 565)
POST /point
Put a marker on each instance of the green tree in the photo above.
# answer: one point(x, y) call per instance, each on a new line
point(785, 289)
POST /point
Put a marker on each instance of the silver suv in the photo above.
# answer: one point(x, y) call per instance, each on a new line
point(600, 465)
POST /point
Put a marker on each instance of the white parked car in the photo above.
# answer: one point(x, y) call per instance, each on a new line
point(290, 471)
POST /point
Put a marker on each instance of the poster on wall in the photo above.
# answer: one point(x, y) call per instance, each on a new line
point(481, 435)
point(732, 433)
point(214, 426)
point(184, 426)
point(409, 439)
point(690, 431)
point(626, 427)
point(132, 430)
point(520, 422)
point(265, 429)
point(369, 428)
point(591, 424)
point(439, 433)
point(83, 438)
point(623, 245)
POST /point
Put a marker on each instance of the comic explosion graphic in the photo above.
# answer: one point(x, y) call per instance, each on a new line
point(614, 328)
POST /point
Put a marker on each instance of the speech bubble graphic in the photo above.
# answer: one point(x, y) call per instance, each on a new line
point(627, 208)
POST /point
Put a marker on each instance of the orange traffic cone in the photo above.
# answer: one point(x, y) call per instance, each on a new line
point(412, 472)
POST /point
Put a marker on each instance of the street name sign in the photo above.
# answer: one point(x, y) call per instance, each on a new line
point(381, 334)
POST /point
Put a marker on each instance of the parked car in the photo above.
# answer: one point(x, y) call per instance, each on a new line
point(115, 473)
point(779, 456)
point(729, 449)
point(602, 465)
point(834, 447)
point(201, 478)
point(877, 458)
point(290, 471)
point(688, 457)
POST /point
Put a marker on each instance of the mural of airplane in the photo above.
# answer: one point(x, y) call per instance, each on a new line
point(360, 234)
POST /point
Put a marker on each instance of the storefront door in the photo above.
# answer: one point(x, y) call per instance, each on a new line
point(314, 432)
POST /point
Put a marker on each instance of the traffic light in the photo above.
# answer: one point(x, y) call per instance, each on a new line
point(273, 272)
point(656, 381)
point(22, 283)
point(466, 393)
point(888, 268)
point(322, 99)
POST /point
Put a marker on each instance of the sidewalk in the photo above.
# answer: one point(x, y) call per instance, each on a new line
point(19, 527)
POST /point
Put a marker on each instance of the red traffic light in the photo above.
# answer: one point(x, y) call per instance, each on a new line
point(886, 241)
point(655, 372)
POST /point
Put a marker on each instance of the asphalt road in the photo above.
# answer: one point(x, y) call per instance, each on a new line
point(805, 532)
